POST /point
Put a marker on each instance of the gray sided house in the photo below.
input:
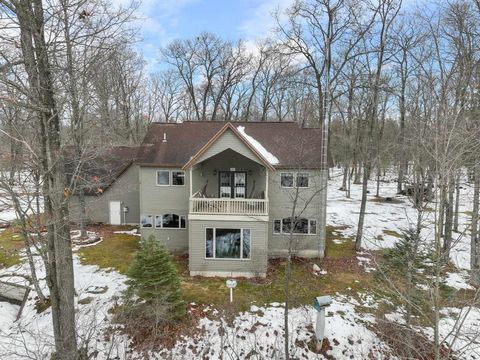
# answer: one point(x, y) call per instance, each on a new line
point(228, 194)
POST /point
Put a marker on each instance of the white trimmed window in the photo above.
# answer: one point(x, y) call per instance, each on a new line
point(301, 226)
point(178, 178)
point(286, 180)
point(290, 180)
point(227, 243)
point(163, 177)
point(146, 221)
point(302, 180)
point(170, 221)
point(170, 178)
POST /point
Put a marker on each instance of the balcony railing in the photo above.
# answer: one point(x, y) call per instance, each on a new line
point(228, 206)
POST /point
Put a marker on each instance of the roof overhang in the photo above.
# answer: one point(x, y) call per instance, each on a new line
point(215, 137)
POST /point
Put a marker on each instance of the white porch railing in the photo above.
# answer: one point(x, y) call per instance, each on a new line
point(228, 206)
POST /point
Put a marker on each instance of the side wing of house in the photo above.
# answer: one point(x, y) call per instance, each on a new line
point(118, 204)
point(299, 192)
point(164, 194)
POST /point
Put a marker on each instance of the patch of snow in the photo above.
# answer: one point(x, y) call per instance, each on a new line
point(128, 232)
point(260, 332)
point(259, 147)
point(458, 281)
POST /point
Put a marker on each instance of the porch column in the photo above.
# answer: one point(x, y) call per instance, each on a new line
point(191, 185)
point(266, 184)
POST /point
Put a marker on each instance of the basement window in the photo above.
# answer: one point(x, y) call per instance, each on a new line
point(227, 243)
point(301, 226)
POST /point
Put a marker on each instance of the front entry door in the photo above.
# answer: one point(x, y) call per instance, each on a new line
point(232, 184)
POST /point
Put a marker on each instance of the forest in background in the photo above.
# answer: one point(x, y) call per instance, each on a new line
point(398, 90)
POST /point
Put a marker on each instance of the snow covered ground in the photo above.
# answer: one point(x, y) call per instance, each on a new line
point(257, 333)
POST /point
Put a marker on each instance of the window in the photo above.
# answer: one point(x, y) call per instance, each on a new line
point(227, 243)
point(178, 178)
point(146, 221)
point(286, 180)
point(170, 221)
point(277, 226)
point(163, 177)
point(301, 226)
point(302, 180)
point(158, 221)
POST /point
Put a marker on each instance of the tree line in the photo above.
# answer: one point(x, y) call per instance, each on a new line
point(397, 88)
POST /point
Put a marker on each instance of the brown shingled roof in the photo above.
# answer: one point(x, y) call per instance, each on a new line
point(292, 145)
point(100, 167)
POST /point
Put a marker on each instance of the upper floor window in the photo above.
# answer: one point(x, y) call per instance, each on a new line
point(178, 178)
point(302, 180)
point(167, 177)
point(286, 180)
point(163, 177)
point(291, 180)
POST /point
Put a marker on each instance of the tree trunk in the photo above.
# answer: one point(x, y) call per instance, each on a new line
point(363, 206)
point(447, 244)
point(457, 202)
point(474, 232)
point(30, 17)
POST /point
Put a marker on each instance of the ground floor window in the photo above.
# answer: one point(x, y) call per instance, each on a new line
point(225, 243)
point(165, 221)
point(301, 226)
point(146, 221)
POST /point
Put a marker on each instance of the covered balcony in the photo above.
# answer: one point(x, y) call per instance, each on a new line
point(229, 183)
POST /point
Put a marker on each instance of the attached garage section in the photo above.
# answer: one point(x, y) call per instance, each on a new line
point(119, 204)
point(228, 247)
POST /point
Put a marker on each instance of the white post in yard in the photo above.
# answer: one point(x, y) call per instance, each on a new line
point(320, 304)
point(231, 284)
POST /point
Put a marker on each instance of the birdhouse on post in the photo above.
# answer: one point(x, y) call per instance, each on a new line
point(320, 303)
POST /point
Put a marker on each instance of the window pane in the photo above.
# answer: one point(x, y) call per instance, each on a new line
point(171, 221)
point(246, 244)
point(302, 180)
point(313, 226)
point(209, 243)
point(227, 243)
point(146, 221)
point(178, 178)
point(286, 224)
point(287, 180)
point(183, 222)
point(158, 221)
point(277, 226)
point(301, 226)
point(163, 177)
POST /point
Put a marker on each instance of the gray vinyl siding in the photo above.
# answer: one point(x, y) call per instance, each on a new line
point(159, 200)
point(281, 205)
point(203, 173)
point(124, 189)
point(228, 140)
point(258, 255)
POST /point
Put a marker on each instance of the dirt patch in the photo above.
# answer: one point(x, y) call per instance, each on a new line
point(387, 200)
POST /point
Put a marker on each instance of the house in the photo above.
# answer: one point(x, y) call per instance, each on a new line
point(225, 193)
